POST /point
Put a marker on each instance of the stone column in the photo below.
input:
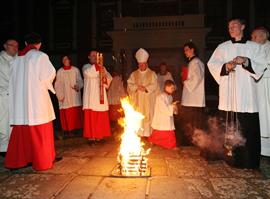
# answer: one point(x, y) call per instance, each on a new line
point(93, 25)
point(229, 9)
point(201, 6)
point(251, 15)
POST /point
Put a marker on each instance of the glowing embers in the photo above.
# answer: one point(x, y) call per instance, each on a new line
point(132, 156)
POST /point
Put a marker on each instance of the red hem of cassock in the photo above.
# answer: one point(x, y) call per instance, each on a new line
point(164, 139)
point(96, 124)
point(114, 113)
point(31, 144)
point(71, 118)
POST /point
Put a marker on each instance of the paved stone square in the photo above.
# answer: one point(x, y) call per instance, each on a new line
point(85, 173)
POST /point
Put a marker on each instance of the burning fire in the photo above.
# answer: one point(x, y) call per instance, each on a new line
point(132, 154)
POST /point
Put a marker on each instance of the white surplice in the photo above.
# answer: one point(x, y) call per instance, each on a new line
point(91, 92)
point(237, 91)
point(263, 89)
point(162, 78)
point(31, 79)
point(5, 130)
point(116, 91)
point(163, 114)
point(64, 87)
point(193, 94)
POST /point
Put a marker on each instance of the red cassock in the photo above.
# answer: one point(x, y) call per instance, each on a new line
point(164, 139)
point(96, 124)
point(114, 112)
point(25, 147)
point(71, 118)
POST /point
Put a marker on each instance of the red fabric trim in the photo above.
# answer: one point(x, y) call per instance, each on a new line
point(66, 67)
point(184, 73)
point(26, 50)
point(101, 95)
point(164, 139)
point(97, 67)
point(96, 124)
point(31, 144)
point(71, 118)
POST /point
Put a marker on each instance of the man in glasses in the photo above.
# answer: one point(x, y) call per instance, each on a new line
point(6, 58)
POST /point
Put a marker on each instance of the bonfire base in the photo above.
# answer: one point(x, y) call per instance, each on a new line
point(116, 172)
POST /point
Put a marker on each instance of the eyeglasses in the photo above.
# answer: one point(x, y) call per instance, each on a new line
point(13, 45)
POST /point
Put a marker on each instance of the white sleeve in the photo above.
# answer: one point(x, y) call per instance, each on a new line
point(79, 80)
point(109, 79)
point(46, 72)
point(58, 85)
point(215, 63)
point(163, 106)
point(258, 62)
point(131, 85)
point(195, 75)
point(152, 87)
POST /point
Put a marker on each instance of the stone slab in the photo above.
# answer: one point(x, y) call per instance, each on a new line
point(121, 188)
point(187, 168)
point(175, 188)
point(82, 187)
point(158, 167)
point(32, 186)
point(67, 165)
point(99, 166)
point(235, 188)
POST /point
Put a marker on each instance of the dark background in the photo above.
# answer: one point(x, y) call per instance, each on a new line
point(75, 26)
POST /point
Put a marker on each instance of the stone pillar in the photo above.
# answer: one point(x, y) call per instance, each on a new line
point(93, 25)
point(251, 15)
point(119, 8)
point(74, 29)
point(179, 7)
point(51, 27)
point(201, 6)
point(229, 9)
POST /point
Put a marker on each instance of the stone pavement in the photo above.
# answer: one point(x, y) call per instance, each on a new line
point(84, 173)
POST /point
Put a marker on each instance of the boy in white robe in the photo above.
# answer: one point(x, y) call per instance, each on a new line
point(163, 123)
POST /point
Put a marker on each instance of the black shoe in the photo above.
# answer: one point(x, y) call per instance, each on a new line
point(3, 154)
point(57, 159)
point(91, 142)
point(100, 141)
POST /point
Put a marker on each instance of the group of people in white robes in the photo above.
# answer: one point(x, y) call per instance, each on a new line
point(239, 66)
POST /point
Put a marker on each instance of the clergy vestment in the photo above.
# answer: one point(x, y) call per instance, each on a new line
point(144, 101)
point(263, 90)
point(237, 94)
point(31, 111)
point(163, 124)
point(96, 116)
point(5, 68)
point(70, 103)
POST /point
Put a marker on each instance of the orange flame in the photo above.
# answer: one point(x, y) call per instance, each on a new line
point(131, 144)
